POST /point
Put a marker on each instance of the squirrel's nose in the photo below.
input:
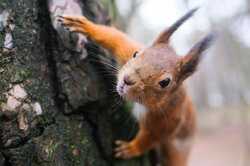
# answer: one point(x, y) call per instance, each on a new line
point(128, 81)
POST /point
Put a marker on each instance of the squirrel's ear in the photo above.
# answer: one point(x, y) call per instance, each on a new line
point(188, 64)
point(165, 35)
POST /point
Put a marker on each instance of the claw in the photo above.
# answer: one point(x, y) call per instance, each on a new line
point(59, 18)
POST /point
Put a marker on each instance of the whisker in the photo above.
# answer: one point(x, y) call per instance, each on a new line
point(106, 64)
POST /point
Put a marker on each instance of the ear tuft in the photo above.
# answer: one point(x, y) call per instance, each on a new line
point(165, 35)
point(204, 44)
point(189, 63)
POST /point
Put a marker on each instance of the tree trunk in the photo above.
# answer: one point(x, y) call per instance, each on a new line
point(56, 101)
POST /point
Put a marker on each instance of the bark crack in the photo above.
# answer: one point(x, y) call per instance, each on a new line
point(48, 37)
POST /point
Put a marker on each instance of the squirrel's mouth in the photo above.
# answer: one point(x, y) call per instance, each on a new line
point(122, 89)
point(124, 85)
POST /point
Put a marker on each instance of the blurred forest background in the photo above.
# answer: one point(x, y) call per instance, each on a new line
point(220, 88)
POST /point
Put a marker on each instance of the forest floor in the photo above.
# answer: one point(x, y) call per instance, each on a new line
point(221, 141)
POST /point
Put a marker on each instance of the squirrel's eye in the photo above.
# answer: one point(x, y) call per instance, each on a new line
point(135, 54)
point(164, 83)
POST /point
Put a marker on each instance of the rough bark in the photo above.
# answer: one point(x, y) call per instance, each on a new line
point(56, 108)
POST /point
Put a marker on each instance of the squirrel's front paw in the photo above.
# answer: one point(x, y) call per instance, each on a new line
point(126, 150)
point(73, 23)
point(67, 21)
point(71, 20)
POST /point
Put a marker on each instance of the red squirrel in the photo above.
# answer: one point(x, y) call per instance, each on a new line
point(152, 77)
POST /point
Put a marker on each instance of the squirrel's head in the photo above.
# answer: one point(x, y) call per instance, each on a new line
point(157, 71)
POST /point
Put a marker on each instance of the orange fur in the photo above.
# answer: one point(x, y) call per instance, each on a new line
point(110, 38)
point(169, 122)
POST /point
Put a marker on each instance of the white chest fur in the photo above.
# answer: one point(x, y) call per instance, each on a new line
point(139, 111)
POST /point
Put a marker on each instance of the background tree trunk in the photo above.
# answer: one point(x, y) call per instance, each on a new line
point(56, 107)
